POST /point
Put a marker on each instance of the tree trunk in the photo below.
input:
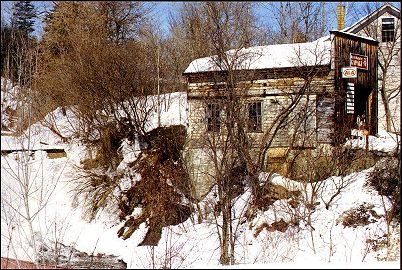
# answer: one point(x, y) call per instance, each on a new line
point(232, 237)
point(384, 98)
point(224, 259)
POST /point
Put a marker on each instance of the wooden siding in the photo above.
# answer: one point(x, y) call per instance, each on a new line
point(257, 74)
point(321, 109)
point(274, 95)
point(365, 83)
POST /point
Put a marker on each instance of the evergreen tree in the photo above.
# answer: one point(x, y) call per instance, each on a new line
point(24, 15)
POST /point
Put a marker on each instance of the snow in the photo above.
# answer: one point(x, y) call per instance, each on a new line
point(187, 245)
point(312, 265)
point(354, 35)
point(272, 56)
point(8, 103)
point(313, 53)
point(383, 141)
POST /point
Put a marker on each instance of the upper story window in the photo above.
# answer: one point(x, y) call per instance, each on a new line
point(388, 30)
point(254, 117)
point(213, 117)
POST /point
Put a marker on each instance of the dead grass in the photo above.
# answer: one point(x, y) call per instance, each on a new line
point(268, 195)
point(93, 182)
point(280, 226)
point(55, 155)
point(359, 216)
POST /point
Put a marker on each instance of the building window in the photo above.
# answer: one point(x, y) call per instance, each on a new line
point(254, 117)
point(388, 32)
point(213, 117)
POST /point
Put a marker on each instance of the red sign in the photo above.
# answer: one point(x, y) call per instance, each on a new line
point(359, 61)
point(349, 72)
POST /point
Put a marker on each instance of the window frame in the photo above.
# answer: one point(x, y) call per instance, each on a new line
point(388, 34)
point(254, 126)
point(213, 116)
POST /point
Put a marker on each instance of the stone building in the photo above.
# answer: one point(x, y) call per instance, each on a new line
point(384, 25)
point(294, 96)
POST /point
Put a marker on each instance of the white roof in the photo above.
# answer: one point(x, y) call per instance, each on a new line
point(271, 56)
point(354, 35)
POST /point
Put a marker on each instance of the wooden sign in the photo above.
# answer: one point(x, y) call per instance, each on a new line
point(359, 61)
point(349, 72)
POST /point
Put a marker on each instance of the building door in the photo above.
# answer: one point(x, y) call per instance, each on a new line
point(362, 112)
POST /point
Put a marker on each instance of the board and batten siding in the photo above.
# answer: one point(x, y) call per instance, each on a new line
point(365, 84)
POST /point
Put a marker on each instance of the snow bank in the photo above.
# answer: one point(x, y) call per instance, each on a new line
point(383, 141)
point(187, 245)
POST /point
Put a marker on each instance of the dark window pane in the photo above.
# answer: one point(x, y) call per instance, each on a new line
point(254, 117)
point(213, 117)
point(388, 32)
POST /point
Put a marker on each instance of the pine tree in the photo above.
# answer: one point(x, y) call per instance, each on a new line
point(24, 15)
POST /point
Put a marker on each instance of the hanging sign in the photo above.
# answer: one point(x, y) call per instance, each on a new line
point(359, 61)
point(349, 72)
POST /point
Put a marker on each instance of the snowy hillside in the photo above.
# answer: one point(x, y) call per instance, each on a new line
point(8, 104)
point(43, 185)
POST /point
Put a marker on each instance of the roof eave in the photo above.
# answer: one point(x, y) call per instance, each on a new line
point(357, 26)
point(350, 35)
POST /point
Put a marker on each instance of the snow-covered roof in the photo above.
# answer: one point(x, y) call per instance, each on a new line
point(271, 56)
point(354, 35)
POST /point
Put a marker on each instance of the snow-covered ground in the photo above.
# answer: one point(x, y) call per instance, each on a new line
point(48, 184)
point(383, 142)
point(8, 103)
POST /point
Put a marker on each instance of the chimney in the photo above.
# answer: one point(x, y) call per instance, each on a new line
point(341, 16)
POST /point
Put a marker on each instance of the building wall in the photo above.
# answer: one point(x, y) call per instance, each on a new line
point(317, 111)
point(393, 77)
point(274, 94)
point(364, 95)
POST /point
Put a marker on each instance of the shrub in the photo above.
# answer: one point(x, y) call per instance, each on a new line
point(359, 216)
point(386, 179)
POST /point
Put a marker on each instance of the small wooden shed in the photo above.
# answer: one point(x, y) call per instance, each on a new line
point(357, 97)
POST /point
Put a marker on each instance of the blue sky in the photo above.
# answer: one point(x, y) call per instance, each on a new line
point(161, 10)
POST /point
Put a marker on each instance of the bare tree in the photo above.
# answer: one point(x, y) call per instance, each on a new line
point(389, 58)
point(26, 190)
point(226, 26)
point(235, 144)
point(297, 22)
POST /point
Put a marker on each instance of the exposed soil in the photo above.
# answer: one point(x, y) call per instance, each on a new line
point(280, 226)
point(163, 186)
